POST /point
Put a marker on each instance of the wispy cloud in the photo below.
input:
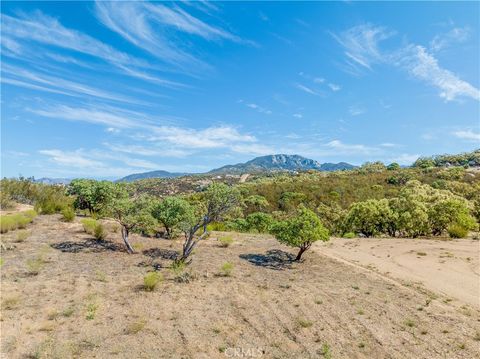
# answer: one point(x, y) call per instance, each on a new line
point(424, 66)
point(356, 111)
point(455, 35)
point(468, 135)
point(307, 89)
point(71, 158)
point(40, 28)
point(151, 27)
point(334, 87)
point(343, 148)
point(361, 44)
point(39, 81)
point(258, 108)
point(297, 115)
point(362, 50)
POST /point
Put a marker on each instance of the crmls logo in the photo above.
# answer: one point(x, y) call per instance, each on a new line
point(244, 352)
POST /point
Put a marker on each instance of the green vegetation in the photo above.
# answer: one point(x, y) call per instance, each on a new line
point(16, 221)
point(300, 231)
point(171, 212)
point(225, 241)
point(227, 269)
point(151, 280)
point(68, 214)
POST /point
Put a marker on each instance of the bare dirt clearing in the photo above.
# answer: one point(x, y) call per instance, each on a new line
point(65, 295)
point(447, 267)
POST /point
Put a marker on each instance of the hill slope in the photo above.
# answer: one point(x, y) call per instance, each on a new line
point(281, 162)
point(151, 174)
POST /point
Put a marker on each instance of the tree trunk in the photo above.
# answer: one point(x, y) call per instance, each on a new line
point(300, 252)
point(125, 240)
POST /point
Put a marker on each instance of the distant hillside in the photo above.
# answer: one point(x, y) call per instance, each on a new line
point(259, 164)
point(152, 174)
point(280, 162)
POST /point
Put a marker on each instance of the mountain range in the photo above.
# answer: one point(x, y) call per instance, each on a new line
point(270, 163)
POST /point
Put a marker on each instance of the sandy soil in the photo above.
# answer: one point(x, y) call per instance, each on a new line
point(85, 299)
point(19, 207)
point(447, 267)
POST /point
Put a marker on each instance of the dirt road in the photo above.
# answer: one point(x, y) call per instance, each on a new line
point(450, 268)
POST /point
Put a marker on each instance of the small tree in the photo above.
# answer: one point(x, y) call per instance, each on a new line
point(91, 195)
point(369, 217)
point(131, 214)
point(171, 212)
point(300, 231)
point(216, 201)
point(393, 166)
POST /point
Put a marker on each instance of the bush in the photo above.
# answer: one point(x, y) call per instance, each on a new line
point(95, 228)
point(68, 214)
point(259, 222)
point(99, 232)
point(349, 235)
point(6, 202)
point(89, 225)
point(151, 280)
point(226, 269)
point(16, 221)
point(225, 241)
point(457, 231)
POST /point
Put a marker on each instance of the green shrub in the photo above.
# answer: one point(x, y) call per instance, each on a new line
point(225, 241)
point(151, 280)
point(31, 213)
point(226, 269)
point(89, 225)
point(457, 231)
point(95, 228)
point(16, 221)
point(259, 222)
point(99, 232)
point(68, 214)
point(6, 202)
point(7, 223)
point(349, 235)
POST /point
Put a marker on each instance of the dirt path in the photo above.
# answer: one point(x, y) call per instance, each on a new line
point(450, 268)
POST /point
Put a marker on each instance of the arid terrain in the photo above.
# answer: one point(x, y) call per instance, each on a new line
point(448, 267)
point(65, 295)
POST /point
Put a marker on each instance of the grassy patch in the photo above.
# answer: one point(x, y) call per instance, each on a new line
point(225, 241)
point(226, 269)
point(151, 280)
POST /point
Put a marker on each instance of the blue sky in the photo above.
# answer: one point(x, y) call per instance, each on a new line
point(104, 90)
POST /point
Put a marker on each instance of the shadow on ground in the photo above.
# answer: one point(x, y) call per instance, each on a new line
point(87, 246)
point(161, 253)
point(273, 259)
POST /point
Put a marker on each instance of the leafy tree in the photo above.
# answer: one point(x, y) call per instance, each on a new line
point(447, 212)
point(332, 217)
point(171, 212)
point(255, 203)
point(259, 221)
point(216, 202)
point(131, 214)
point(300, 231)
point(424, 162)
point(370, 217)
point(91, 195)
point(291, 200)
point(393, 166)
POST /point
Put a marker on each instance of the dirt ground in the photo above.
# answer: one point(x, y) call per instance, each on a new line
point(65, 295)
point(447, 267)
